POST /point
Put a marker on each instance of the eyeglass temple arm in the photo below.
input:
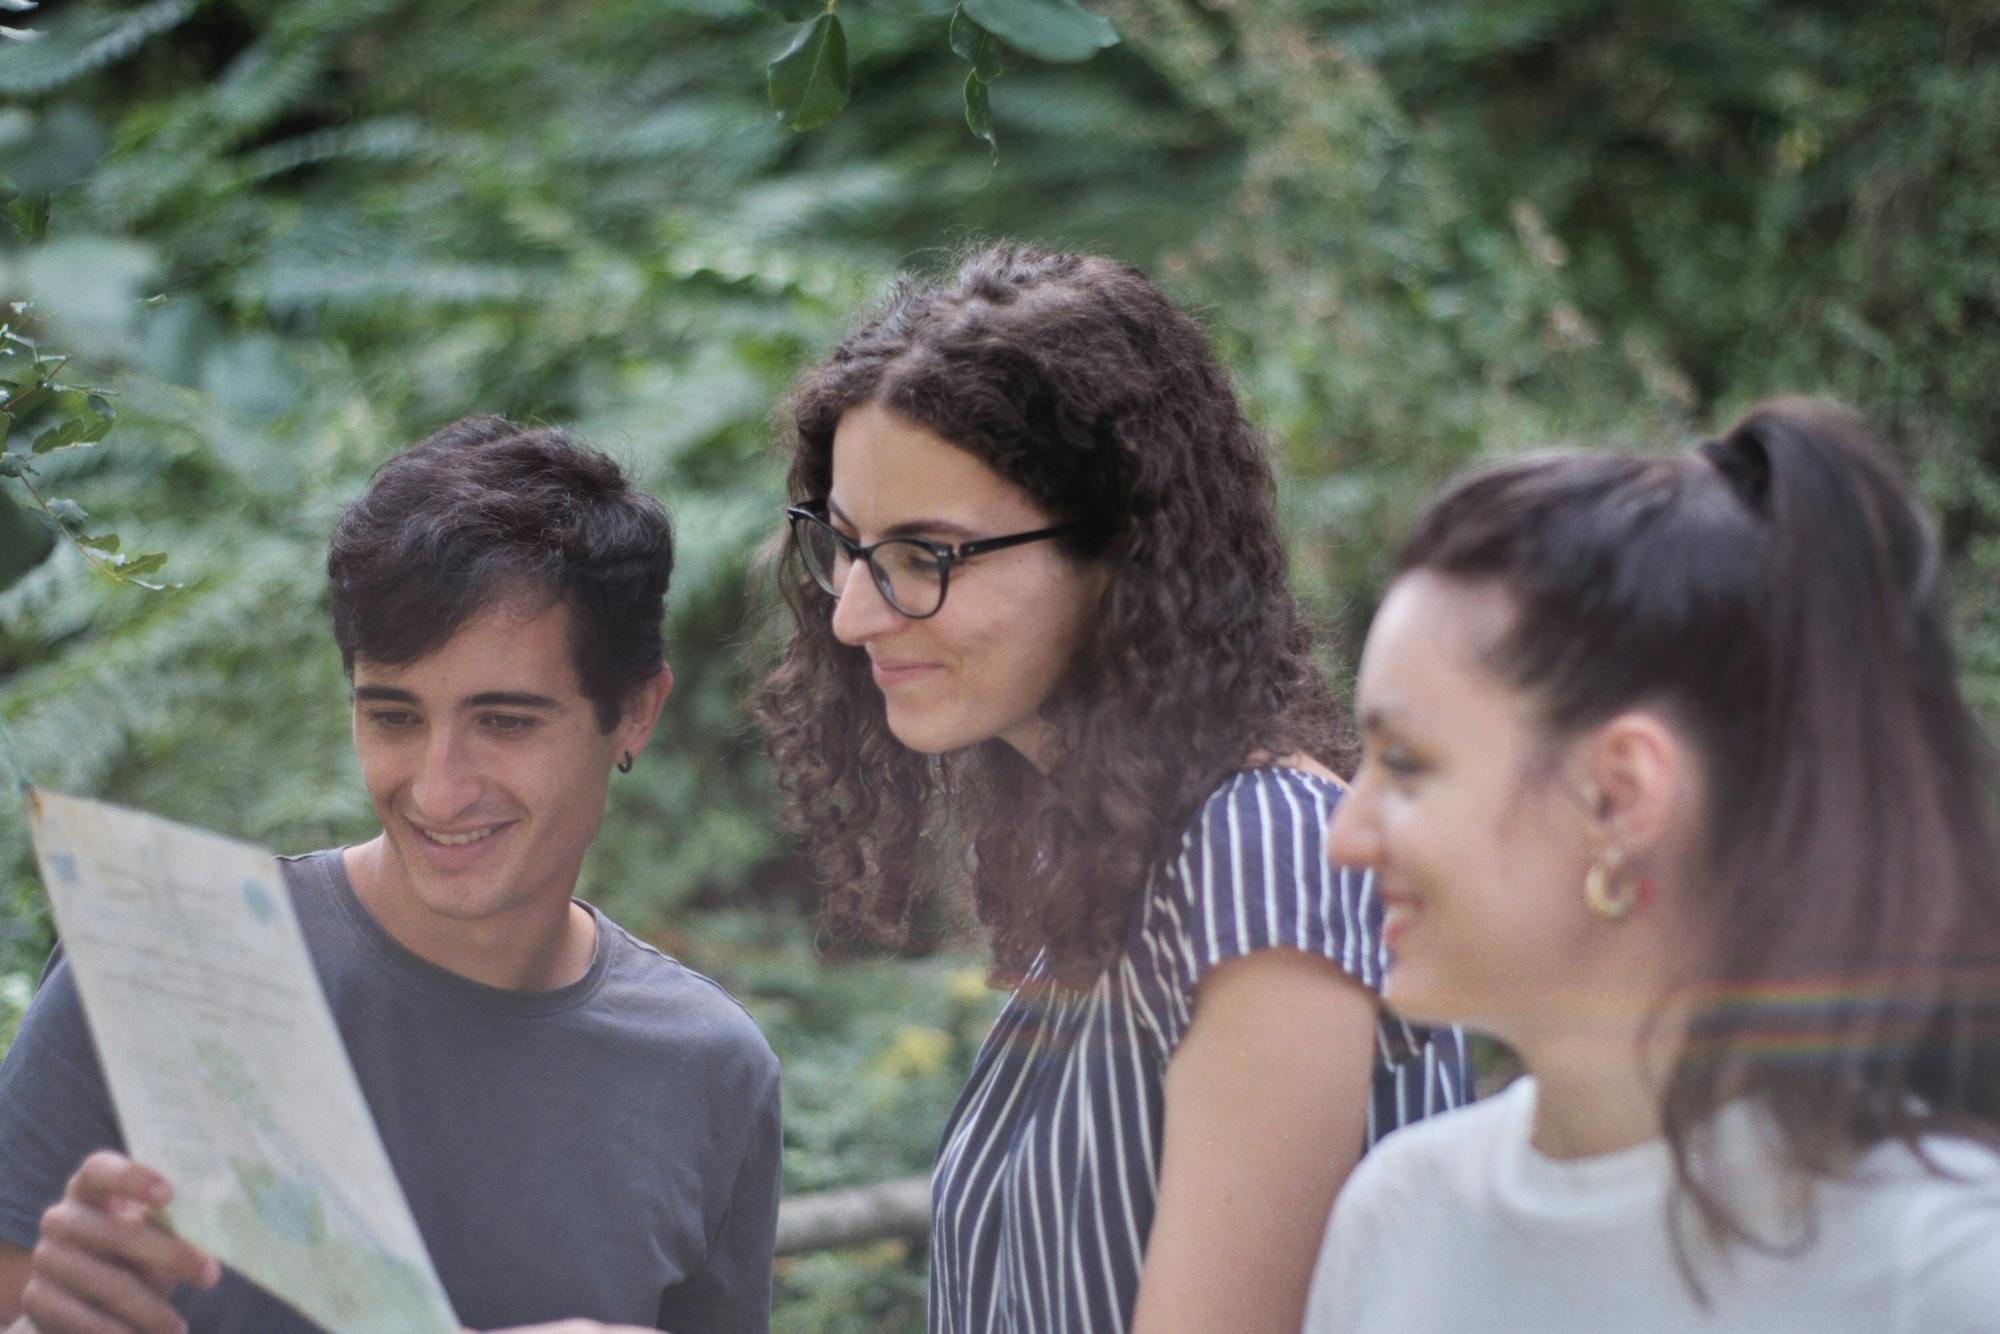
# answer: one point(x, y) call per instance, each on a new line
point(965, 549)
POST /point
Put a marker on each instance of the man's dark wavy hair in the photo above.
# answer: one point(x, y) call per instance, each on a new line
point(484, 510)
point(1072, 377)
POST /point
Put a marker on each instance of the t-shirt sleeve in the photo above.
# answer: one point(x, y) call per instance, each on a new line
point(732, 1292)
point(55, 1110)
point(1251, 875)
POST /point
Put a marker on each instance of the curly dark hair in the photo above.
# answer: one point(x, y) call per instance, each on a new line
point(482, 509)
point(1072, 377)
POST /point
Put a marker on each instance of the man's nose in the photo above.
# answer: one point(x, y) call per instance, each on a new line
point(447, 778)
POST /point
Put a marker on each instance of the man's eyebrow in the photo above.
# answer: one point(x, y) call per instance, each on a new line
point(913, 527)
point(510, 699)
point(486, 699)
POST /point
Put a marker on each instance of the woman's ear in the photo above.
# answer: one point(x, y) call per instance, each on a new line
point(1639, 778)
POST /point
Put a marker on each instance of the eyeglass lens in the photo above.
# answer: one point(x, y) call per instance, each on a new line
point(909, 575)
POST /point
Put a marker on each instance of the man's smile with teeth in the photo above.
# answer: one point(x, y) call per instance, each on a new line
point(454, 840)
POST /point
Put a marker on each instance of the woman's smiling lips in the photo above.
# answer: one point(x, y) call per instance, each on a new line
point(1397, 910)
point(889, 674)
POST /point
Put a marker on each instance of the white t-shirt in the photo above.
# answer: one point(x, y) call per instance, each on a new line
point(1458, 1224)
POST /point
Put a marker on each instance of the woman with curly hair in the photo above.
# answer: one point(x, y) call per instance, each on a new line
point(1668, 783)
point(1041, 611)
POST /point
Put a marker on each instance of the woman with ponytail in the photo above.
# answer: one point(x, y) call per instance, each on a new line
point(1668, 783)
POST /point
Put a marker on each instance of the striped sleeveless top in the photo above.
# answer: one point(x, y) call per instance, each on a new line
point(1043, 1190)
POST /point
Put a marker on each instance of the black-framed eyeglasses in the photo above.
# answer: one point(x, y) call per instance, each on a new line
point(911, 572)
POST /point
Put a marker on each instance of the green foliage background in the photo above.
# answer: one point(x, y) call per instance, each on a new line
point(294, 235)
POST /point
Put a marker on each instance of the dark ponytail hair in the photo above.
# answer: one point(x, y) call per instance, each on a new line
point(1779, 595)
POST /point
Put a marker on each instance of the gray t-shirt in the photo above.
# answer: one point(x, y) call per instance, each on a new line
point(608, 1149)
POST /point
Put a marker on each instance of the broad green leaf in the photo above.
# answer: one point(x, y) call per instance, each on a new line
point(146, 564)
point(84, 418)
point(978, 47)
point(105, 542)
point(808, 83)
point(67, 513)
point(792, 11)
point(979, 111)
point(83, 404)
point(61, 436)
point(75, 433)
point(1056, 30)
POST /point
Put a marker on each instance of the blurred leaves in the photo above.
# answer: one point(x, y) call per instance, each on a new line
point(978, 47)
point(82, 41)
point(792, 11)
point(979, 111)
point(52, 417)
point(988, 58)
point(809, 82)
point(1055, 30)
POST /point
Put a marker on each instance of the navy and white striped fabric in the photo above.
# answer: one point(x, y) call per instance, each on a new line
point(1043, 1191)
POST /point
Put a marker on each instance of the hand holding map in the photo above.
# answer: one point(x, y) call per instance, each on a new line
point(226, 1068)
point(101, 1254)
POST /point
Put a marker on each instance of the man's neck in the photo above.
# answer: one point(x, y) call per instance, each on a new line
point(536, 946)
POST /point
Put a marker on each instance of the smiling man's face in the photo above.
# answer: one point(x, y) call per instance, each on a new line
point(486, 765)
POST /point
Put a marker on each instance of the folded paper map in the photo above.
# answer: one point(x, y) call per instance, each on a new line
point(225, 1066)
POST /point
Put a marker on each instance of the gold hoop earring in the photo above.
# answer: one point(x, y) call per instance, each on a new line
point(625, 765)
point(1610, 896)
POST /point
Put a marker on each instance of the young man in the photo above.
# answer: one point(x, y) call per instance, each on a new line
point(583, 1127)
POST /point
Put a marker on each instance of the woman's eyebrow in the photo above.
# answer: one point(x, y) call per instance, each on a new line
point(909, 527)
point(916, 527)
point(1376, 719)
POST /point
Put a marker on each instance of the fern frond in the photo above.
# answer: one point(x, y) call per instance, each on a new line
point(83, 43)
point(275, 74)
point(299, 285)
point(73, 718)
point(392, 139)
